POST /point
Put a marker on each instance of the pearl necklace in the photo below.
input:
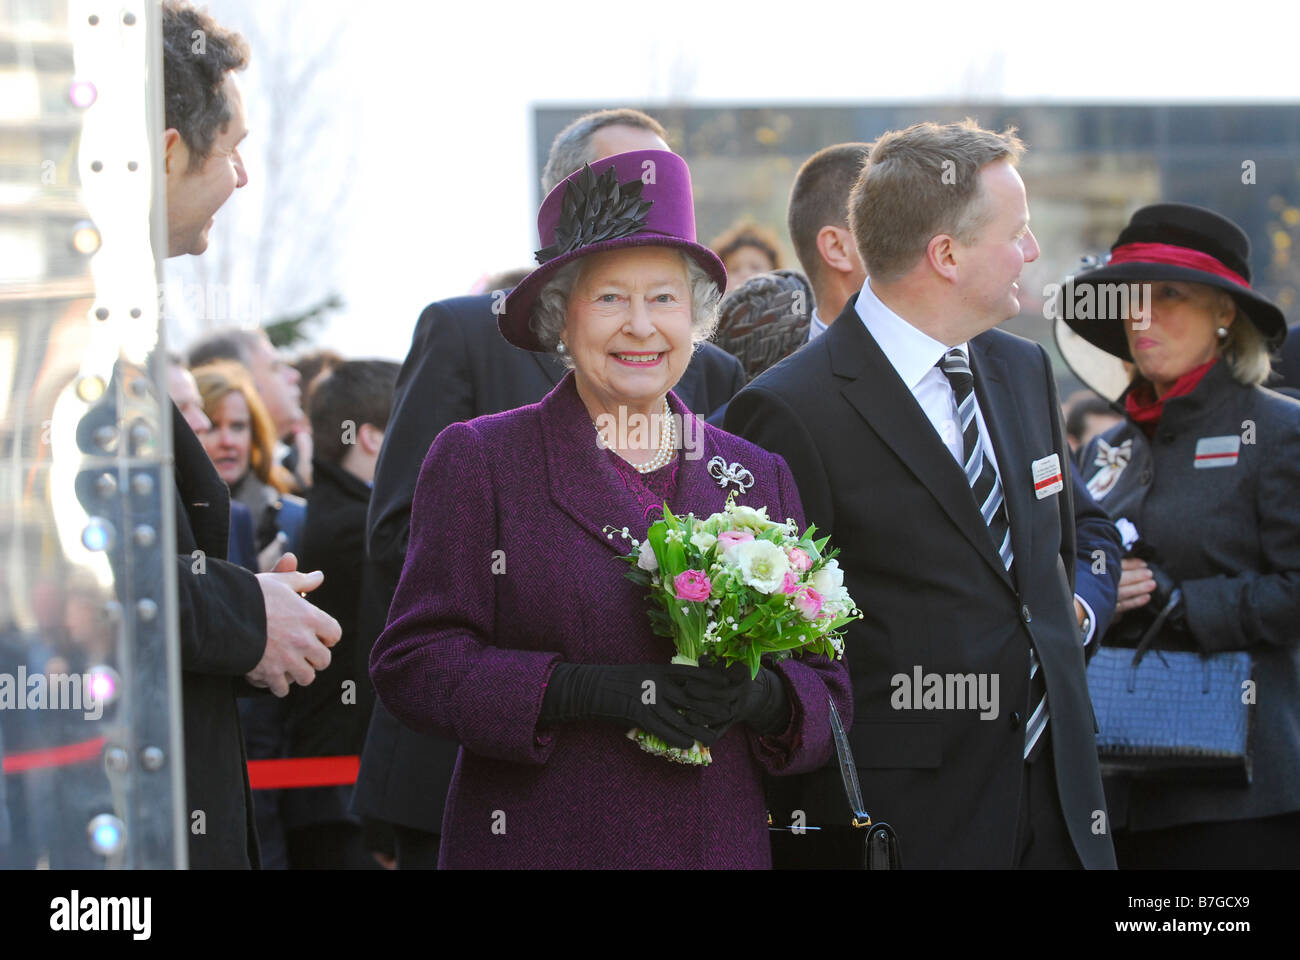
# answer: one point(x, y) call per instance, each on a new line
point(666, 450)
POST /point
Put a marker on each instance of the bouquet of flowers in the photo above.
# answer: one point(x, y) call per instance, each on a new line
point(734, 587)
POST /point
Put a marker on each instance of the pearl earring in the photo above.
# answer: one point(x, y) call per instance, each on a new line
point(559, 348)
point(1222, 332)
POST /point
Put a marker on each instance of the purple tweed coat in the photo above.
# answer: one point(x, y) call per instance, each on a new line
point(468, 651)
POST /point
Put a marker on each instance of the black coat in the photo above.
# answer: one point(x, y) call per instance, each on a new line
point(918, 559)
point(328, 717)
point(1230, 536)
point(223, 636)
point(1287, 367)
point(459, 367)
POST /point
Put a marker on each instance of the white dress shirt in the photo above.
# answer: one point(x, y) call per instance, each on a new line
point(914, 356)
point(815, 326)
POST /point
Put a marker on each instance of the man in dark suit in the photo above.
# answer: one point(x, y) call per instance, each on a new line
point(460, 367)
point(929, 446)
point(818, 218)
point(234, 626)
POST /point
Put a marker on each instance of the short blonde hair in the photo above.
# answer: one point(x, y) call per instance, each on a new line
point(918, 183)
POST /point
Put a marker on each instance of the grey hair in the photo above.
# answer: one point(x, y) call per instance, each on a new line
point(551, 310)
point(571, 147)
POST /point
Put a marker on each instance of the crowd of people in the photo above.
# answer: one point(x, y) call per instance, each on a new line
point(412, 564)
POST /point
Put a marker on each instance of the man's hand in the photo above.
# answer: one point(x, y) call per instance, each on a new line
point(1136, 584)
point(298, 635)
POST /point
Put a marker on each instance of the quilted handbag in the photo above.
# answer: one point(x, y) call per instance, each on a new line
point(1172, 715)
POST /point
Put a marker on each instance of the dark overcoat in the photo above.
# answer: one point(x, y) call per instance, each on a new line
point(1216, 494)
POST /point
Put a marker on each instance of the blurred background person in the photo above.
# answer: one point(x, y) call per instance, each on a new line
point(241, 444)
point(763, 321)
point(278, 384)
point(746, 250)
point(1287, 369)
point(818, 220)
point(1087, 415)
point(1213, 519)
point(310, 364)
point(349, 405)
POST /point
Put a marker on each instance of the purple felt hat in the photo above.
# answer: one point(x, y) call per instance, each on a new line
point(637, 199)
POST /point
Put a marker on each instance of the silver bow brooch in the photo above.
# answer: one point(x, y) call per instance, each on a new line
point(734, 473)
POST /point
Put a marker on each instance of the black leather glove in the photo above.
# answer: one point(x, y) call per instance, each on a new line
point(759, 702)
point(619, 694)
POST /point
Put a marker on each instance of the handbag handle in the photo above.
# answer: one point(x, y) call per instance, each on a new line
point(1149, 638)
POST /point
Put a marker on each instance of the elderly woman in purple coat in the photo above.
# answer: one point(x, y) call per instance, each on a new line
point(514, 628)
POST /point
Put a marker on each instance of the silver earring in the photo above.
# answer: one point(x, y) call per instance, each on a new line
point(559, 348)
point(1222, 332)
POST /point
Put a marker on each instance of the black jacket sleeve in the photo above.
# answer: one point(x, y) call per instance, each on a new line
point(764, 418)
point(433, 390)
point(222, 617)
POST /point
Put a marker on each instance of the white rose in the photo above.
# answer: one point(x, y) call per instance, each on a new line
point(747, 518)
point(829, 580)
point(703, 541)
point(762, 564)
point(646, 559)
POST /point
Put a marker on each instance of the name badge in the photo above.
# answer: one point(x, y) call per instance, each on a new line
point(1047, 476)
point(1217, 451)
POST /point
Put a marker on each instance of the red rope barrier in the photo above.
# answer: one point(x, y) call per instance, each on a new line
point(303, 772)
point(64, 756)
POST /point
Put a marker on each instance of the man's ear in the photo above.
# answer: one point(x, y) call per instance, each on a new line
point(176, 156)
point(941, 253)
point(834, 244)
point(371, 438)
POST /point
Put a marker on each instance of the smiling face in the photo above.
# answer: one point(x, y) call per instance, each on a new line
point(991, 264)
point(195, 196)
point(1182, 331)
point(229, 442)
point(628, 327)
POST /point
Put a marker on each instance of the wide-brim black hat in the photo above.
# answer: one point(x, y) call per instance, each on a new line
point(1170, 241)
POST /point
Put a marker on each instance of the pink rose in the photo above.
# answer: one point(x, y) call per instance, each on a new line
point(790, 584)
point(808, 602)
point(732, 537)
point(799, 559)
point(692, 585)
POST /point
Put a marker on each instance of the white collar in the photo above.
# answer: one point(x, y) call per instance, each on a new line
point(912, 352)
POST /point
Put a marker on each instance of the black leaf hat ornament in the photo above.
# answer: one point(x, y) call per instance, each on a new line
point(597, 208)
point(641, 198)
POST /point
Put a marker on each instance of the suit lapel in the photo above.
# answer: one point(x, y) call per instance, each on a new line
point(998, 404)
point(872, 386)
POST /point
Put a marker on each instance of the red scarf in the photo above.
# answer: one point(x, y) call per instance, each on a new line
point(1141, 402)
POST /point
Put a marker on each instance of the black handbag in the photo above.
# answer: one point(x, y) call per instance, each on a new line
point(1173, 715)
point(880, 849)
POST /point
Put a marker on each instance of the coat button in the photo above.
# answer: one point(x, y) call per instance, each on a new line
point(1015, 719)
point(1024, 613)
point(1146, 474)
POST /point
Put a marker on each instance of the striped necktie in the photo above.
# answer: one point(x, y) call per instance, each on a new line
point(986, 488)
